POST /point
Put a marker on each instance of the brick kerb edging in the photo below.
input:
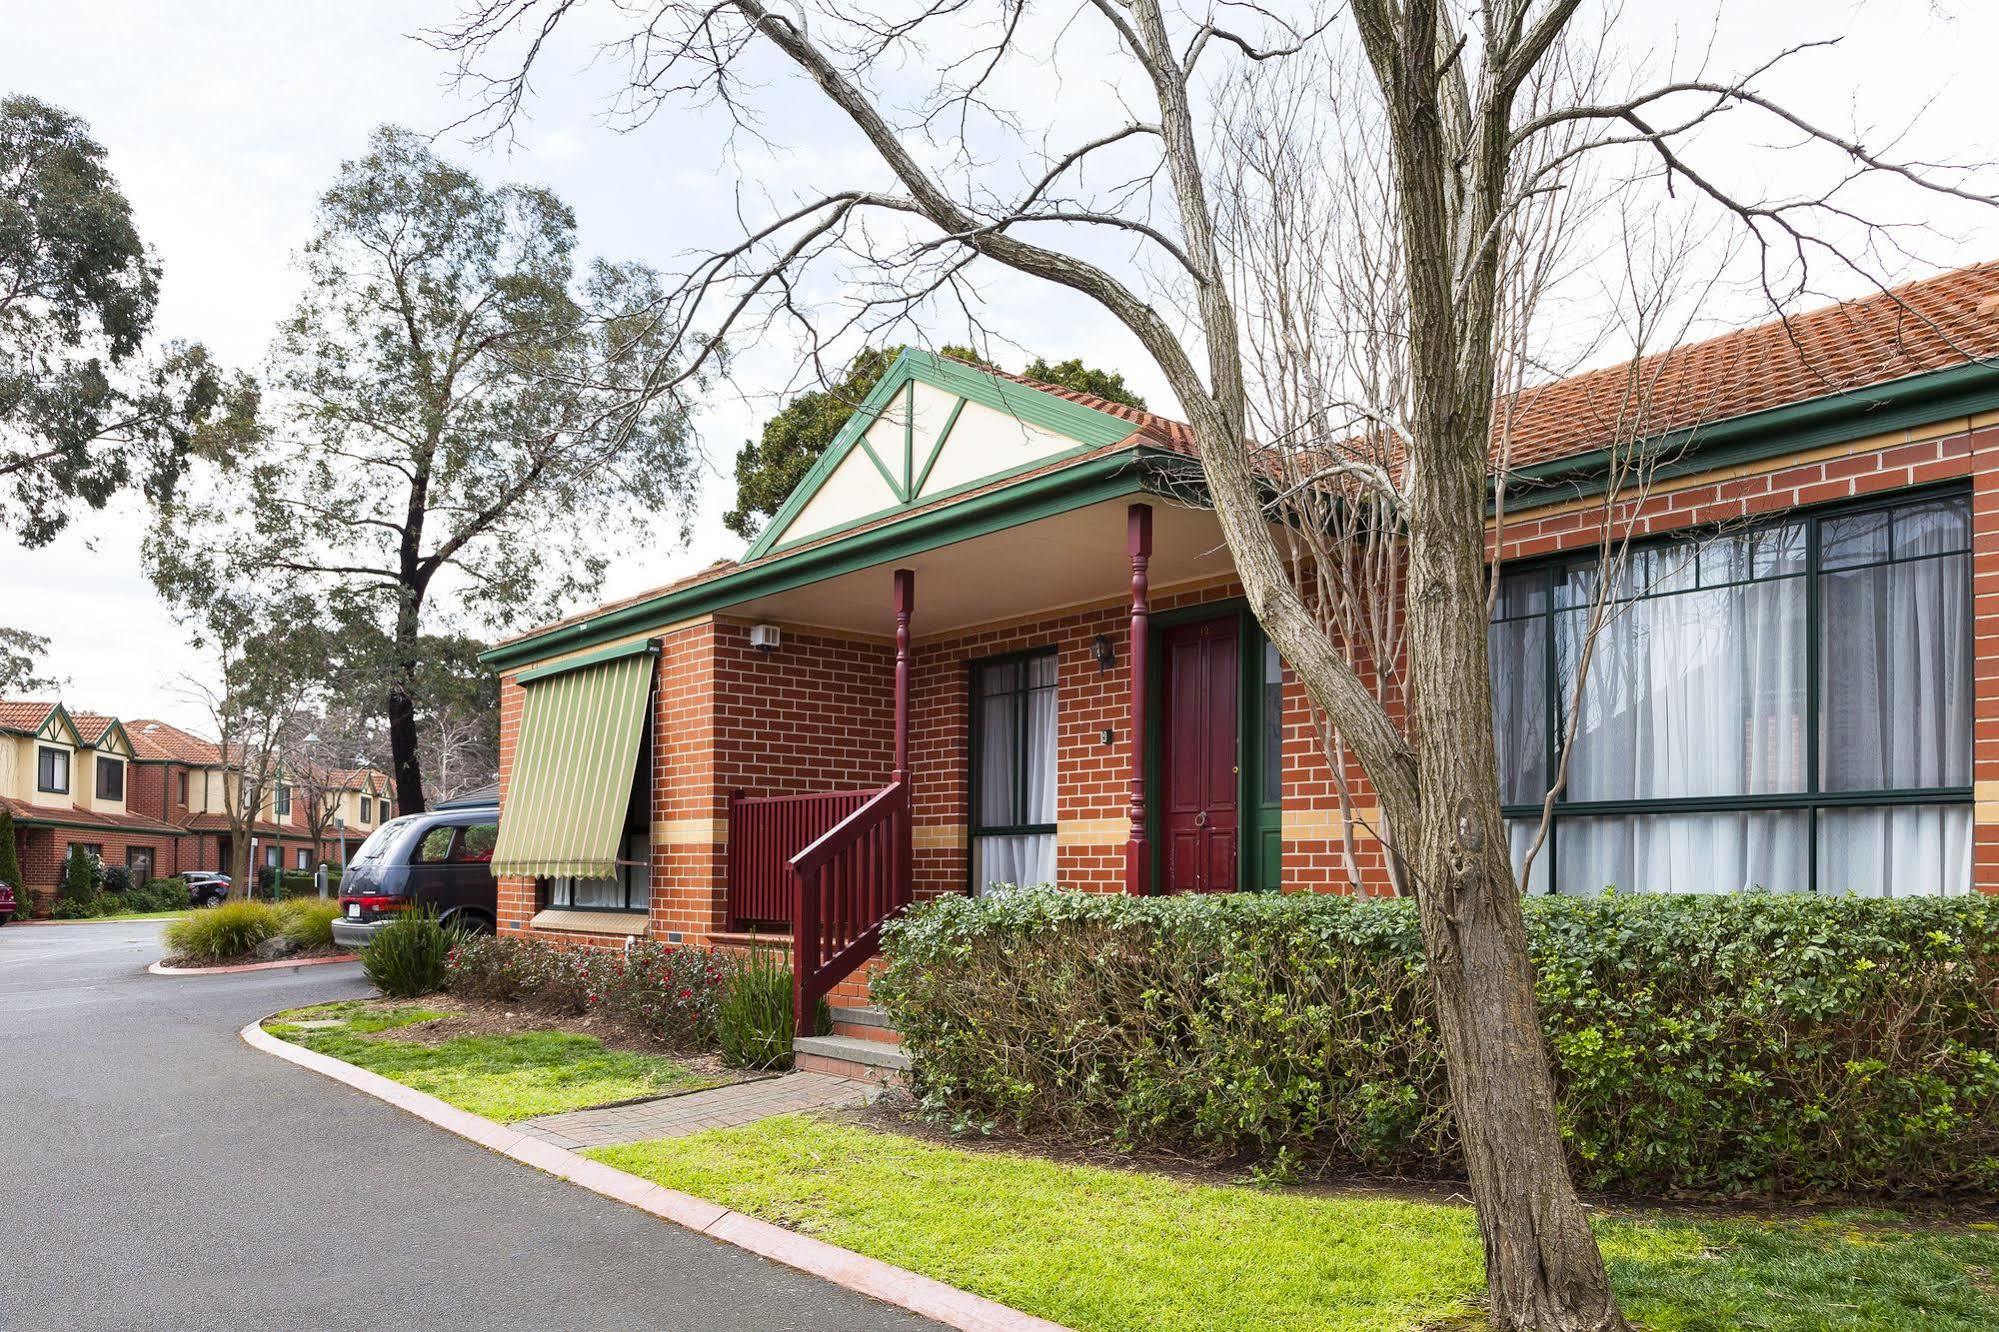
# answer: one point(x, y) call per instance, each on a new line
point(843, 1267)
point(162, 969)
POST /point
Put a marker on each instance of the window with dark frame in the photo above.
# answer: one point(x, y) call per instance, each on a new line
point(629, 890)
point(110, 779)
point(1784, 707)
point(1013, 758)
point(183, 788)
point(284, 802)
point(52, 770)
point(367, 810)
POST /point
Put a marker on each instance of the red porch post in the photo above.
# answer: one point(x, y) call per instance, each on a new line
point(905, 604)
point(1137, 855)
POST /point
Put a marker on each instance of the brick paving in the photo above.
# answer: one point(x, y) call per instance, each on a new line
point(718, 1107)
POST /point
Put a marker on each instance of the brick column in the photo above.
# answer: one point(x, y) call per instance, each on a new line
point(1138, 540)
point(1985, 659)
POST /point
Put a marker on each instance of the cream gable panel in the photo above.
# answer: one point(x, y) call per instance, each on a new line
point(855, 489)
point(984, 442)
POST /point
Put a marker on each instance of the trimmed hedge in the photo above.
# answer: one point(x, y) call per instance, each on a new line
point(668, 991)
point(1723, 1046)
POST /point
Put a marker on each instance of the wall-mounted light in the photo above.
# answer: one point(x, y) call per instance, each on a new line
point(765, 638)
point(1104, 651)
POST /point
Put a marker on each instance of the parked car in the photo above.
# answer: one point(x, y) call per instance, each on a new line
point(206, 887)
point(9, 906)
point(442, 860)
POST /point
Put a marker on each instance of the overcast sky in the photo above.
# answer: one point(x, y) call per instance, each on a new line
point(224, 121)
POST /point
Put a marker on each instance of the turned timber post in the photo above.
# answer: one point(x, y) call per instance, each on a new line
point(905, 604)
point(1137, 854)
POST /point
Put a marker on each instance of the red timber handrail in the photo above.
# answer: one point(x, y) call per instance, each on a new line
point(765, 832)
point(850, 882)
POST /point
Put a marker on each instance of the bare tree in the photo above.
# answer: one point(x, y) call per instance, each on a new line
point(1481, 117)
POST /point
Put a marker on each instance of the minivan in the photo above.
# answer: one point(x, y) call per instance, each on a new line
point(442, 860)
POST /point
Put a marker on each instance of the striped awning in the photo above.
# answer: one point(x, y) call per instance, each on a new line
point(574, 760)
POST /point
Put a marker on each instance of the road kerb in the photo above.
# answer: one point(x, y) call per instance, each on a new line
point(845, 1268)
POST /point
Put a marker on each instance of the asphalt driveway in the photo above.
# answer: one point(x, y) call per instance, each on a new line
point(155, 1172)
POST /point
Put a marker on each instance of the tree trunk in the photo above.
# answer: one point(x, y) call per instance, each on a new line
point(1543, 1269)
point(403, 738)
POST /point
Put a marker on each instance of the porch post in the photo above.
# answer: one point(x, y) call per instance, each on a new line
point(1137, 855)
point(905, 603)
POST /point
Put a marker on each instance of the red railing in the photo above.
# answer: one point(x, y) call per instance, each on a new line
point(765, 832)
point(849, 882)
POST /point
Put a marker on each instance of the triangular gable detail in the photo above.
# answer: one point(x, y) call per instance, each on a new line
point(116, 740)
point(931, 428)
point(48, 731)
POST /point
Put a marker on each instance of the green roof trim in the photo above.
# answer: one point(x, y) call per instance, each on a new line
point(1897, 404)
point(1109, 476)
point(1090, 428)
point(650, 645)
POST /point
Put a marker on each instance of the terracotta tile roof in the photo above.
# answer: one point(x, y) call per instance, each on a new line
point(220, 823)
point(91, 725)
point(72, 817)
point(21, 715)
point(162, 741)
point(1932, 324)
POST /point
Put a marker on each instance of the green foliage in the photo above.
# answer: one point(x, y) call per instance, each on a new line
point(511, 1077)
point(770, 468)
point(225, 933)
point(159, 895)
point(20, 655)
point(753, 1021)
point(1118, 1250)
point(81, 877)
point(406, 957)
point(117, 880)
point(83, 413)
point(308, 922)
point(668, 993)
point(1713, 1045)
point(10, 856)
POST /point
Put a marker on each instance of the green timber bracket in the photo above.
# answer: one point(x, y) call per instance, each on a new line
point(906, 472)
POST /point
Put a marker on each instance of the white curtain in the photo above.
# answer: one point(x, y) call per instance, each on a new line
point(1022, 861)
point(1040, 756)
point(1520, 707)
point(1896, 676)
point(1694, 694)
point(1896, 851)
point(1684, 853)
point(1017, 754)
point(1520, 836)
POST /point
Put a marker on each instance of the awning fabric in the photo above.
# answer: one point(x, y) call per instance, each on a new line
point(574, 759)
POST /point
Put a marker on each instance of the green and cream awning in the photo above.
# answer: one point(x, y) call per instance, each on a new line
point(574, 759)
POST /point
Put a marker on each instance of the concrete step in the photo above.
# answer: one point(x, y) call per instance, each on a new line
point(865, 1024)
point(849, 1057)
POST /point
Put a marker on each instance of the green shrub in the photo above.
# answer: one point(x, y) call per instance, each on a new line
point(308, 922)
point(161, 895)
point(1720, 1046)
point(10, 857)
point(668, 992)
point(118, 879)
point(80, 879)
point(407, 956)
point(753, 1021)
point(223, 934)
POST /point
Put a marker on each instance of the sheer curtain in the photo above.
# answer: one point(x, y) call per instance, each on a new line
point(1016, 744)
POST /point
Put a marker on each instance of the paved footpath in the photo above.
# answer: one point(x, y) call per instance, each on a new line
point(156, 1172)
point(718, 1107)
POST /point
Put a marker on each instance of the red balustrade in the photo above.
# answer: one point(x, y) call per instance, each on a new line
point(765, 832)
point(850, 882)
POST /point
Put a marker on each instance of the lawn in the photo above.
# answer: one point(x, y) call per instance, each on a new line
point(1107, 1249)
point(506, 1077)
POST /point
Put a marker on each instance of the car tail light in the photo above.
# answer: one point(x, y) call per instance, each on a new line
point(377, 904)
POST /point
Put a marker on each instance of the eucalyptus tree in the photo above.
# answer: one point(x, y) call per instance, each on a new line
point(462, 421)
point(1088, 147)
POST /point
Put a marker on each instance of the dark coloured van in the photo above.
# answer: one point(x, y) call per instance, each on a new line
point(442, 860)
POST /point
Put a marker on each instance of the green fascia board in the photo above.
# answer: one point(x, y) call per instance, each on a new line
point(1913, 400)
point(596, 658)
point(119, 727)
point(58, 711)
point(1111, 476)
point(1090, 428)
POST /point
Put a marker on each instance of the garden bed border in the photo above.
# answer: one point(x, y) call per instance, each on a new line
point(857, 1272)
point(160, 968)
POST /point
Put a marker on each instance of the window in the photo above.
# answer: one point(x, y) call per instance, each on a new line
point(52, 770)
point(183, 788)
point(274, 856)
point(476, 846)
point(631, 890)
point(110, 779)
point(1273, 722)
point(1013, 770)
point(367, 811)
point(1786, 707)
point(284, 802)
point(139, 861)
point(435, 848)
point(304, 858)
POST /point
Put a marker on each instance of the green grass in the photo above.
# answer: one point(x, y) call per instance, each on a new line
point(1113, 1249)
point(511, 1077)
point(174, 914)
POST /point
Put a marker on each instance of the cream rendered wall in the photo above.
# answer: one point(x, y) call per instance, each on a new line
point(983, 443)
point(30, 770)
point(16, 759)
point(83, 781)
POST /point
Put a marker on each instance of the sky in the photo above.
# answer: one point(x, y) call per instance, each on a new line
point(224, 120)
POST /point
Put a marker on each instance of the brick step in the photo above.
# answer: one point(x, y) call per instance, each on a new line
point(865, 1024)
point(849, 1057)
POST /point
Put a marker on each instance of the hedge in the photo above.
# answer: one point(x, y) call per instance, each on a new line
point(1712, 1046)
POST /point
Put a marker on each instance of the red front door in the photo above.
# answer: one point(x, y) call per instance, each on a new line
point(1198, 755)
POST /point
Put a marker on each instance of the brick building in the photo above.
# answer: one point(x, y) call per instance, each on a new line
point(150, 796)
point(988, 641)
